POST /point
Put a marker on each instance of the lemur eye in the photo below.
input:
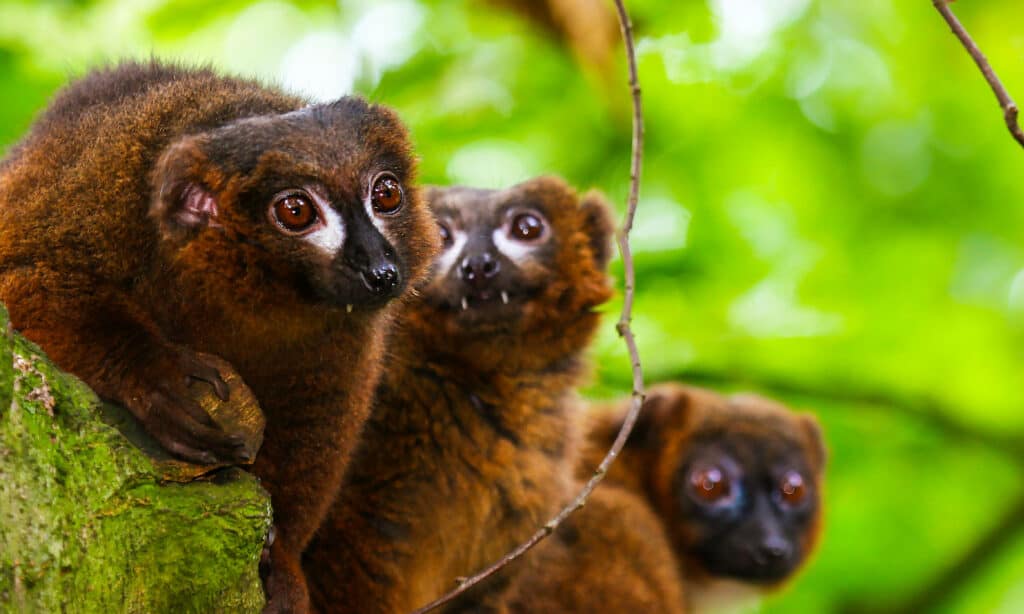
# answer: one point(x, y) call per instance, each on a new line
point(294, 212)
point(386, 194)
point(792, 489)
point(446, 236)
point(526, 227)
point(710, 484)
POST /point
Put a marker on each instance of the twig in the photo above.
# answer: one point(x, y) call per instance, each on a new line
point(927, 410)
point(623, 328)
point(1009, 107)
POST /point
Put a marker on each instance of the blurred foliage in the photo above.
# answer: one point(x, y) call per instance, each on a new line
point(830, 199)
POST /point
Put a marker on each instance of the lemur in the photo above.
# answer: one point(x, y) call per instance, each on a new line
point(155, 211)
point(472, 440)
point(736, 482)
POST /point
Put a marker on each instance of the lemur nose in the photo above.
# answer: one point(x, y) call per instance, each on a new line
point(478, 270)
point(381, 279)
point(774, 549)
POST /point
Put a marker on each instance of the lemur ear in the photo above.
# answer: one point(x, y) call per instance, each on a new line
point(599, 226)
point(663, 405)
point(816, 440)
point(181, 202)
point(431, 195)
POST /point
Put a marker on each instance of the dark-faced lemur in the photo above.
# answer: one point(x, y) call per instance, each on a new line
point(154, 212)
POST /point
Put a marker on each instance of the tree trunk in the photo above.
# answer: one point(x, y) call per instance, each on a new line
point(90, 523)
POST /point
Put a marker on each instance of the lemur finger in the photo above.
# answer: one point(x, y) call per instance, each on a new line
point(183, 414)
point(184, 451)
point(200, 371)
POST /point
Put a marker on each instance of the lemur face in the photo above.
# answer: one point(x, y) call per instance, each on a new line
point(322, 196)
point(506, 251)
point(750, 500)
point(736, 480)
point(496, 251)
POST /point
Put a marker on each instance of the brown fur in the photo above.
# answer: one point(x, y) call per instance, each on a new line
point(675, 419)
point(471, 442)
point(100, 268)
point(610, 556)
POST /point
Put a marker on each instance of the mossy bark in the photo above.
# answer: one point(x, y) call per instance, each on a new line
point(89, 523)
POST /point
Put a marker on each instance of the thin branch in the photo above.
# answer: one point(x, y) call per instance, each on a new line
point(927, 410)
point(1009, 107)
point(623, 328)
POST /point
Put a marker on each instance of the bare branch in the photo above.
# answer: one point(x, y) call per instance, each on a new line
point(1009, 107)
point(623, 328)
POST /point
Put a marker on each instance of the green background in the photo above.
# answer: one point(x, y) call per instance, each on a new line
point(831, 213)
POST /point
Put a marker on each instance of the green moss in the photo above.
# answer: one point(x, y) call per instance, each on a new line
point(87, 523)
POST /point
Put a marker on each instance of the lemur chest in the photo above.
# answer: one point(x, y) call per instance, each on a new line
point(489, 496)
point(488, 465)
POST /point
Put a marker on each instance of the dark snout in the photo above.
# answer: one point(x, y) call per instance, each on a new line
point(372, 257)
point(485, 287)
point(774, 548)
point(479, 269)
point(757, 553)
point(382, 279)
point(773, 557)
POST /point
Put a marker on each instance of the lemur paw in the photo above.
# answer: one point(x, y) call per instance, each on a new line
point(169, 411)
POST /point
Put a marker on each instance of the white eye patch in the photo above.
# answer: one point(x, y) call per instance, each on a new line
point(451, 254)
point(516, 251)
point(331, 235)
point(374, 217)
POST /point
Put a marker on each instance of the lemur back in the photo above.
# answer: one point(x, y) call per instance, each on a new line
point(612, 555)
